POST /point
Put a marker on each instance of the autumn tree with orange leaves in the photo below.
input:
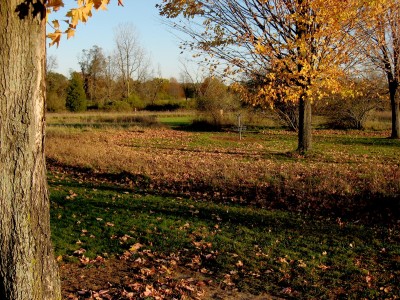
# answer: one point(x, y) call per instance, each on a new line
point(27, 266)
point(295, 49)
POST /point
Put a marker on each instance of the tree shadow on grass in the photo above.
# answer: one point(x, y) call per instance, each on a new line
point(365, 141)
point(365, 207)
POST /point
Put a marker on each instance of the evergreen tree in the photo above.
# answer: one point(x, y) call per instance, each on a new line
point(76, 97)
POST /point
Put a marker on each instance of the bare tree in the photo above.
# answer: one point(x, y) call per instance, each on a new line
point(191, 77)
point(110, 73)
point(131, 59)
point(51, 63)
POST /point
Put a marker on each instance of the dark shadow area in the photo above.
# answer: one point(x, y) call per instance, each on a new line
point(366, 141)
point(230, 214)
point(33, 7)
point(2, 289)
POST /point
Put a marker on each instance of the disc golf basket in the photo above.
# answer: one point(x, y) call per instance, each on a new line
point(240, 128)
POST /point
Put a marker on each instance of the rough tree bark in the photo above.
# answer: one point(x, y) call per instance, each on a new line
point(27, 266)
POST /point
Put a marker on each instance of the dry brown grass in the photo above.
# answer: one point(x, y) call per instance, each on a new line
point(259, 169)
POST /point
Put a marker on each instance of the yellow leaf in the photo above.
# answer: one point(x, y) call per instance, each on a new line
point(74, 15)
point(135, 247)
point(55, 37)
point(70, 32)
point(260, 48)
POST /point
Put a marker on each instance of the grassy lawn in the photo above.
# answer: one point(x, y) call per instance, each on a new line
point(205, 211)
point(255, 250)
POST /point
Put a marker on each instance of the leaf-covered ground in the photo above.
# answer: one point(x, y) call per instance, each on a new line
point(348, 175)
point(167, 214)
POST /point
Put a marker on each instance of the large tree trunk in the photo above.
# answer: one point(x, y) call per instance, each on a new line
point(304, 135)
point(394, 103)
point(27, 266)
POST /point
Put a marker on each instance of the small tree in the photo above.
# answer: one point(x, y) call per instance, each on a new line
point(351, 111)
point(93, 67)
point(214, 100)
point(76, 98)
point(286, 113)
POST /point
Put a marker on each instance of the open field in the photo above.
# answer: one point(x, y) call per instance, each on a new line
point(148, 211)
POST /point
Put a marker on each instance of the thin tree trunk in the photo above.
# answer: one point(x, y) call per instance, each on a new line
point(128, 86)
point(394, 103)
point(304, 135)
point(27, 266)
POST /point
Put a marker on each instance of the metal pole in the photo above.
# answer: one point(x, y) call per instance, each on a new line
point(240, 127)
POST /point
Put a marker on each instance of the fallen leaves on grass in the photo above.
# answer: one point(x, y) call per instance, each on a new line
point(336, 182)
point(136, 274)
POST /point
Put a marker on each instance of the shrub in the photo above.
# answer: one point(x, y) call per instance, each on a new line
point(118, 106)
point(214, 100)
point(163, 107)
point(55, 102)
point(135, 102)
point(205, 125)
point(286, 114)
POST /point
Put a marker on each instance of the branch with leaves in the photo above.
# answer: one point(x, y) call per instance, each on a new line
point(81, 13)
point(298, 46)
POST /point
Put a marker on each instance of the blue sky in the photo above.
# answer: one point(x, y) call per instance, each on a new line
point(157, 38)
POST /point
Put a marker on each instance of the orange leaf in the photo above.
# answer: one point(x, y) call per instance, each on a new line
point(55, 37)
point(70, 32)
point(56, 24)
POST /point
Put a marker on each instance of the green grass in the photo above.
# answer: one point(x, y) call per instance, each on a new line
point(261, 250)
point(176, 121)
